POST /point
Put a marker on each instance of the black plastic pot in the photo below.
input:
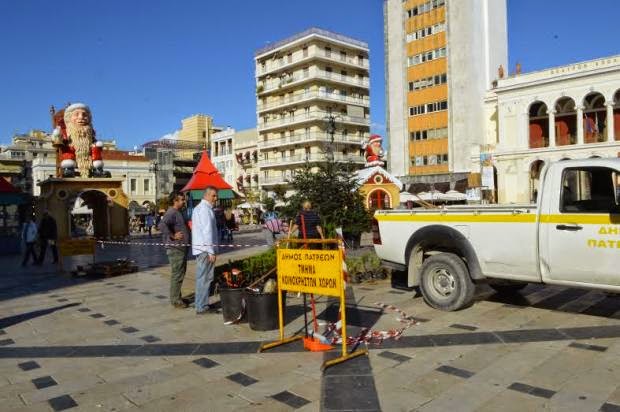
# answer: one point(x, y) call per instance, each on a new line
point(232, 305)
point(263, 310)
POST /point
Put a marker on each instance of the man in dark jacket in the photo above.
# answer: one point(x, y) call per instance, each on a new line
point(175, 234)
point(47, 236)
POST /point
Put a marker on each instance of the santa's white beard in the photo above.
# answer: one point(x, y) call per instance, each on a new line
point(82, 138)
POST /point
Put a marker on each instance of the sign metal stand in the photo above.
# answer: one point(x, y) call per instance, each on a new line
point(313, 271)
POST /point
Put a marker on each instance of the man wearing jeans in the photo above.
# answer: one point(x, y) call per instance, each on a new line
point(205, 238)
point(175, 235)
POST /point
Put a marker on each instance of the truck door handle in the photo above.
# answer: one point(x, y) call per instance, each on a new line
point(572, 228)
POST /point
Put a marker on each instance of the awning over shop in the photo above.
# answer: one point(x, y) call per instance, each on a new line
point(221, 194)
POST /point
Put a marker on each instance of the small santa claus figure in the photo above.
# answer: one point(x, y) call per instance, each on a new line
point(374, 151)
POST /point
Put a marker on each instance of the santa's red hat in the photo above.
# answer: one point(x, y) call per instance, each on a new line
point(374, 138)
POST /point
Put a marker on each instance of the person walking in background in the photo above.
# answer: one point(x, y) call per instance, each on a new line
point(175, 234)
point(205, 237)
point(231, 224)
point(150, 221)
point(309, 224)
point(48, 233)
point(272, 227)
point(29, 236)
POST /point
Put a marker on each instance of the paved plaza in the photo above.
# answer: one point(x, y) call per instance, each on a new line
point(114, 344)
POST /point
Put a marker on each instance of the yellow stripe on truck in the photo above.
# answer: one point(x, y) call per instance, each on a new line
point(594, 219)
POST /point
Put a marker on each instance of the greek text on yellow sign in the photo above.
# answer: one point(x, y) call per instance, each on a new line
point(310, 271)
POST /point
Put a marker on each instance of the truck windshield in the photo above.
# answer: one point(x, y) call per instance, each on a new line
point(590, 190)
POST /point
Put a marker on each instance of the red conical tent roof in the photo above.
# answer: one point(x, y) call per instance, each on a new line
point(205, 175)
point(6, 187)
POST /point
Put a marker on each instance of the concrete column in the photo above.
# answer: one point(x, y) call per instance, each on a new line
point(551, 133)
point(579, 124)
point(610, 121)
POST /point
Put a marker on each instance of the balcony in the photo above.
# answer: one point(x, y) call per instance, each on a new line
point(272, 181)
point(314, 157)
point(303, 97)
point(316, 115)
point(310, 137)
point(299, 77)
point(333, 57)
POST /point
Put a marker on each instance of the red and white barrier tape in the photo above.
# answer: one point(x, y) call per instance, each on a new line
point(371, 336)
point(114, 242)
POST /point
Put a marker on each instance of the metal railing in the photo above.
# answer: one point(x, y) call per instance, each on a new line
point(313, 95)
point(312, 115)
point(309, 137)
point(334, 56)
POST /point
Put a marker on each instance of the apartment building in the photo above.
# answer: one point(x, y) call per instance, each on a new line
point(441, 57)
point(310, 88)
point(222, 154)
point(246, 161)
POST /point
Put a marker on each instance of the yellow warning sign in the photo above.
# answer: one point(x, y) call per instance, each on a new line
point(73, 247)
point(310, 271)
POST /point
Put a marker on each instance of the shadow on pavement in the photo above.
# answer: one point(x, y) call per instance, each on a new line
point(22, 317)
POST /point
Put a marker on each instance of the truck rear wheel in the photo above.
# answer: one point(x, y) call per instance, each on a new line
point(445, 282)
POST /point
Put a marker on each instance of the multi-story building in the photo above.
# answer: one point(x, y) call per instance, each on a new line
point(441, 57)
point(566, 112)
point(246, 161)
point(222, 154)
point(196, 129)
point(174, 159)
point(135, 170)
point(34, 145)
point(310, 88)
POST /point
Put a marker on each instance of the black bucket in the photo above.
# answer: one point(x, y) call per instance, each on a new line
point(232, 305)
point(263, 310)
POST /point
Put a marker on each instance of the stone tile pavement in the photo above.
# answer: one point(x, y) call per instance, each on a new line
point(115, 344)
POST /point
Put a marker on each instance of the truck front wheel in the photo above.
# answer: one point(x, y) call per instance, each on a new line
point(445, 282)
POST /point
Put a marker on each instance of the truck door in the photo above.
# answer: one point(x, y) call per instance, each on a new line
point(581, 243)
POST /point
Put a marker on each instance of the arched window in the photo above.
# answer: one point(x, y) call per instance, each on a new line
point(535, 169)
point(594, 118)
point(538, 125)
point(565, 122)
point(379, 199)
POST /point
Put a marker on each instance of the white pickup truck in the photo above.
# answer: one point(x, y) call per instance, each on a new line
point(571, 237)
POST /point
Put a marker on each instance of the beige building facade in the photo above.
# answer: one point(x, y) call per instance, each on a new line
point(441, 58)
point(309, 88)
point(566, 112)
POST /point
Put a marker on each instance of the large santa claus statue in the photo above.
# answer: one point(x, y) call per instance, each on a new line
point(373, 151)
point(75, 138)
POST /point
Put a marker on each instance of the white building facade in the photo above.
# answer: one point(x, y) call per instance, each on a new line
point(223, 156)
point(136, 171)
point(310, 88)
point(566, 112)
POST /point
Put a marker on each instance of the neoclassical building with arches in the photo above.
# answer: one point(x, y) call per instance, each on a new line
point(566, 112)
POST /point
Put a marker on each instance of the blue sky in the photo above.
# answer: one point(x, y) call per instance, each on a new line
point(142, 65)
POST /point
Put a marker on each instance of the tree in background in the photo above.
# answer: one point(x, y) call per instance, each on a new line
point(334, 193)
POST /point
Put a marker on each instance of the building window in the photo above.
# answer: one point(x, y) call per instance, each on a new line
point(431, 81)
point(146, 185)
point(289, 58)
point(328, 52)
point(343, 56)
point(305, 51)
point(426, 56)
point(132, 185)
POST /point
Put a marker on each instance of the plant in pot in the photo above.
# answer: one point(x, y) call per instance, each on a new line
point(231, 288)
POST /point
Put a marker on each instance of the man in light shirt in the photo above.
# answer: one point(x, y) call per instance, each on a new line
point(205, 238)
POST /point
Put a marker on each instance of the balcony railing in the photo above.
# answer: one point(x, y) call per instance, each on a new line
point(313, 95)
point(310, 116)
point(335, 57)
point(310, 137)
point(296, 77)
point(314, 157)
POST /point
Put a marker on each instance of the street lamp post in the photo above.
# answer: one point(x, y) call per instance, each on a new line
point(331, 130)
